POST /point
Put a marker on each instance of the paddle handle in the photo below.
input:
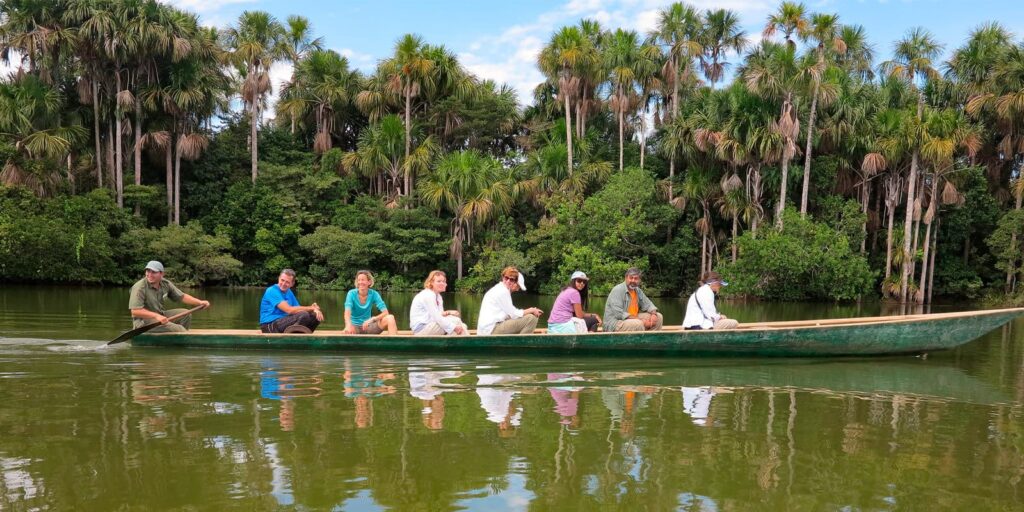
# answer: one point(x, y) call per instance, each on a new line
point(184, 313)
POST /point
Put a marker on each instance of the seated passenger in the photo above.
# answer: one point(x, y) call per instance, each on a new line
point(427, 316)
point(701, 312)
point(280, 310)
point(567, 314)
point(359, 304)
point(629, 309)
point(497, 313)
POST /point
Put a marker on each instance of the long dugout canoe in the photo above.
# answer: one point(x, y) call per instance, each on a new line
point(835, 337)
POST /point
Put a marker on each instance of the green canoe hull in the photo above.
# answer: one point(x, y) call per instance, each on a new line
point(887, 335)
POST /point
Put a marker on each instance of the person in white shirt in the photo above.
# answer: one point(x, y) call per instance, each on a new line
point(497, 313)
point(427, 316)
point(701, 312)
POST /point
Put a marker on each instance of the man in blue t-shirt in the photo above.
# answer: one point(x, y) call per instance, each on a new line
point(280, 310)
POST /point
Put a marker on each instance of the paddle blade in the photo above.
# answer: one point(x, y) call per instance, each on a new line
point(139, 330)
point(127, 335)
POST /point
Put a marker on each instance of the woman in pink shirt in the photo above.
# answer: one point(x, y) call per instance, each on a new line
point(569, 308)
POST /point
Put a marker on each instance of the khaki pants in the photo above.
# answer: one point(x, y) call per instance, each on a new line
point(637, 324)
point(432, 329)
point(522, 325)
point(180, 325)
point(725, 324)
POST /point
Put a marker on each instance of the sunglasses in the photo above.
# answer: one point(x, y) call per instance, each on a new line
point(580, 280)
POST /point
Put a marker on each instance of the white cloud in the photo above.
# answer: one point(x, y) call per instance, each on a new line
point(206, 6)
point(361, 61)
point(511, 56)
point(212, 13)
point(280, 73)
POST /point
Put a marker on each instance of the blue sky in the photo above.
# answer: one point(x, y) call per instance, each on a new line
point(500, 39)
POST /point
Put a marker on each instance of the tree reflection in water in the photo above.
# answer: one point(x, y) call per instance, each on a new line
point(166, 429)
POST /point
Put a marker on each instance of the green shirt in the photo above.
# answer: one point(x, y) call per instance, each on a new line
point(617, 305)
point(145, 296)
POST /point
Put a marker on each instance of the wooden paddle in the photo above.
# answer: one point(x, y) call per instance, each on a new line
point(139, 330)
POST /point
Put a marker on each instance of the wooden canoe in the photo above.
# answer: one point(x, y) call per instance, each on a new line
point(834, 337)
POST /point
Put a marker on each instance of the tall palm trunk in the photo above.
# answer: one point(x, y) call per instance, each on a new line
point(924, 264)
point(138, 148)
point(785, 168)
point(177, 184)
point(621, 131)
point(408, 137)
point(96, 132)
point(931, 263)
point(170, 177)
point(908, 223)
point(118, 171)
point(735, 232)
point(703, 253)
point(110, 153)
point(888, 240)
point(568, 133)
point(865, 198)
point(807, 153)
point(643, 141)
point(253, 144)
point(675, 112)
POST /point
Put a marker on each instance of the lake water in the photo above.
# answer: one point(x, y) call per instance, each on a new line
point(86, 427)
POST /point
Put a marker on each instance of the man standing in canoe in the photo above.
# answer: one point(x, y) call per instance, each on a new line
point(629, 309)
point(280, 310)
point(701, 312)
point(146, 301)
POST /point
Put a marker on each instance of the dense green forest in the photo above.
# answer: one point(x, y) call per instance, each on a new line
point(827, 168)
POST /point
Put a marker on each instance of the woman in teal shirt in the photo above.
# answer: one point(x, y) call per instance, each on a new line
point(359, 304)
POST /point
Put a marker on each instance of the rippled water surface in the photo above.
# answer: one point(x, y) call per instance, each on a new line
point(88, 427)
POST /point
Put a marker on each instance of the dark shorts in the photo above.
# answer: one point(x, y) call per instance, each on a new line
point(306, 319)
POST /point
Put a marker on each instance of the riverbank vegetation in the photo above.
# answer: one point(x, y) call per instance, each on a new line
point(813, 164)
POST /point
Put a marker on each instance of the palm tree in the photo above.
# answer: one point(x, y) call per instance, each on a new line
point(773, 71)
point(913, 59)
point(196, 89)
point(561, 60)
point(93, 20)
point(732, 202)
point(31, 117)
point(473, 187)
point(944, 132)
point(701, 186)
point(791, 20)
point(678, 29)
point(379, 156)
point(858, 59)
point(544, 173)
point(624, 60)
point(721, 33)
point(299, 42)
point(256, 42)
point(322, 85)
point(897, 135)
point(824, 33)
point(406, 72)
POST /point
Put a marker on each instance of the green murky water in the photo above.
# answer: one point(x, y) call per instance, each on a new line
point(84, 427)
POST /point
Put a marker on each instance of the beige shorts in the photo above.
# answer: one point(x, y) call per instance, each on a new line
point(370, 328)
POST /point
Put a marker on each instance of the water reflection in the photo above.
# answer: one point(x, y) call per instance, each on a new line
point(179, 429)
